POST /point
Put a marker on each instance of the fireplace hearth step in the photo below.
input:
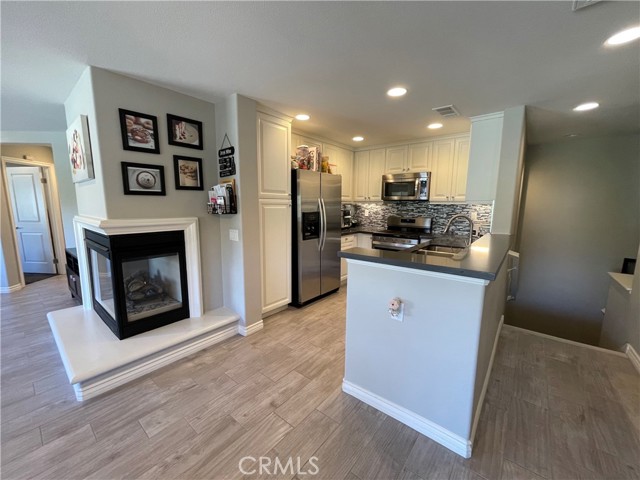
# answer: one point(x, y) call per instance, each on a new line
point(96, 361)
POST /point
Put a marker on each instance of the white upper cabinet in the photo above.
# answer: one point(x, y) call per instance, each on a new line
point(484, 157)
point(396, 160)
point(341, 161)
point(441, 171)
point(419, 159)
point(368, 170)
point(274, 162)
point(460, 169)
point(376, 170)
point(449, 165)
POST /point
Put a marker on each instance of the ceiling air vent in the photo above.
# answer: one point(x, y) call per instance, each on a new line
point(447, 111)
point(578, 4)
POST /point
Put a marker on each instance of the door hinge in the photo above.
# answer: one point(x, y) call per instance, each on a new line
point(55, 261)
point(43, 180)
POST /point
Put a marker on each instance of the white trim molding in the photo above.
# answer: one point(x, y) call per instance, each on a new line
point(444, 437)
point(633, 356)
point(12, 288)
point(250, 329)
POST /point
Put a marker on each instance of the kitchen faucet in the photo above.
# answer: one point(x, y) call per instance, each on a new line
point(461, 215)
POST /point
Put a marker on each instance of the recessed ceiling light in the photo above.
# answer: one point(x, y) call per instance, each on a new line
point(625, 36)
point(357, 139)
point(572, 135)
point(583, 107)
point(302, 116)
point(434, 126)
point(396, 91)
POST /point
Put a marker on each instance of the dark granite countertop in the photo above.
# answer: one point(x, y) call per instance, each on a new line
point(481, 260)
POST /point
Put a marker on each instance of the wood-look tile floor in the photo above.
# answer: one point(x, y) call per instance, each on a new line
point(553, 410)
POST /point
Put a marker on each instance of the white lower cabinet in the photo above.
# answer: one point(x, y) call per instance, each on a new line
point(275, 253)
point(363, 240)
point(346, 242)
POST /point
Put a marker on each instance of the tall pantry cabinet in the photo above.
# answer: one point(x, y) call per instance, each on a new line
point(274, 187)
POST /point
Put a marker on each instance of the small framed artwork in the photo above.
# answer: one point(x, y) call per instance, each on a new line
point(79, 145)
point(141, 179)
point(184, 132)
point(188, 173)
point(139, 131)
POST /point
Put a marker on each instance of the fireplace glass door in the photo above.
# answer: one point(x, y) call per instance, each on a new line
point(138, 281)
point(152, 285)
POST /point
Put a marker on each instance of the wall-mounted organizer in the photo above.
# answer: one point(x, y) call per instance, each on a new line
point(222, 198)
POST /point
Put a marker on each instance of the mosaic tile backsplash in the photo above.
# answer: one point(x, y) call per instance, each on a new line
point(377, 213)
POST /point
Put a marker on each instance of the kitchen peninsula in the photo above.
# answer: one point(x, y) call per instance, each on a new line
point(428, 365)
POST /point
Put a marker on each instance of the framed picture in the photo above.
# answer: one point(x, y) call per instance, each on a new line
point(139, 131)
point(188, 173)
point(141, 179)
point(184, 132)
point(79, 145)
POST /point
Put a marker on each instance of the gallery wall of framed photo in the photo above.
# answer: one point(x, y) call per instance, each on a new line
point(140, 133)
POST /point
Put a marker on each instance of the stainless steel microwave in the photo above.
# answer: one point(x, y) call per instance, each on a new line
point(406, 186)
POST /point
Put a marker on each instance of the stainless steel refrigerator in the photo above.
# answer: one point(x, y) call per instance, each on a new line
point(316, 234)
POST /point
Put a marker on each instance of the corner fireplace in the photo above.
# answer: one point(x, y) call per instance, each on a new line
point(138, 281)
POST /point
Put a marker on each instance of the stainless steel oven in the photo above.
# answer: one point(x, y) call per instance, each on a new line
point(403, 233)
point(406, 186)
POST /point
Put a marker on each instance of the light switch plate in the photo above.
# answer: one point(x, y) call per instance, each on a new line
point(233, 235)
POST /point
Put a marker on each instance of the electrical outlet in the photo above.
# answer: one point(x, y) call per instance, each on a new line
point(366, 213)
point(233, 235)
point(474, 216)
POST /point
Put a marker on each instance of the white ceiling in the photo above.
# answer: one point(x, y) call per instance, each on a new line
point(335, 61)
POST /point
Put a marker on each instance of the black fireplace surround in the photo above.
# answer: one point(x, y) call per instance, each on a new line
point(138, 281)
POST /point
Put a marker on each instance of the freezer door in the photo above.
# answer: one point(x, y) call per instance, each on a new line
point(330, 262)
point(308, 209)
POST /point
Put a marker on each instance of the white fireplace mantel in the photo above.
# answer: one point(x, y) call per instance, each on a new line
point(145, 225)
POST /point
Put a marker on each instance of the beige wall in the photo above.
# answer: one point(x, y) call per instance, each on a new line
point(99, 94)
point(579, 218)
point(40, 153)
point(9, 273)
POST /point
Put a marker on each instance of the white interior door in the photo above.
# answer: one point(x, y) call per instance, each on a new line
point(31, 221)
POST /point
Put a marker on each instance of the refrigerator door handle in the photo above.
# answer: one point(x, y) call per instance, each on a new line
point(324, 223)
point(321, 238)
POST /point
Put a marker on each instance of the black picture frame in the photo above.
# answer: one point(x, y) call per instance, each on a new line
point(188, 173)
point(143, 179)
point(139, 131)
point(190, 129)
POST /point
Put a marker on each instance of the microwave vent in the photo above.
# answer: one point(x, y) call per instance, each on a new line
point(447, 111)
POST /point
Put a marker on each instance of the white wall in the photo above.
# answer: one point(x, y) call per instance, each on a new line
point(241, 260)
point(580, 216)
point(99, 94)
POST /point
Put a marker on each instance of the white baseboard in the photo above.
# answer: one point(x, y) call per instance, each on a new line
point(99, 385)
point(633, 356)
point(251, 329)
point(12, 288)
point(444, 437)
point(564, 340)
point(487, 377)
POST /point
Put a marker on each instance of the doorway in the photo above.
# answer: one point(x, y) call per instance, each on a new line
point(35, 218)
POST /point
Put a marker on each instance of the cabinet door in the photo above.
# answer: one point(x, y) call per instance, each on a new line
point(346, 242)
point(441, 170)
point(364, 240)
point(341, 162)
point(376, 170)
point(275, 252)
point(396, 161)
point(361, 176)
point(460, 168)
point(274, 137)
point(295, 141)
point(309, 142)
point(420, 157)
